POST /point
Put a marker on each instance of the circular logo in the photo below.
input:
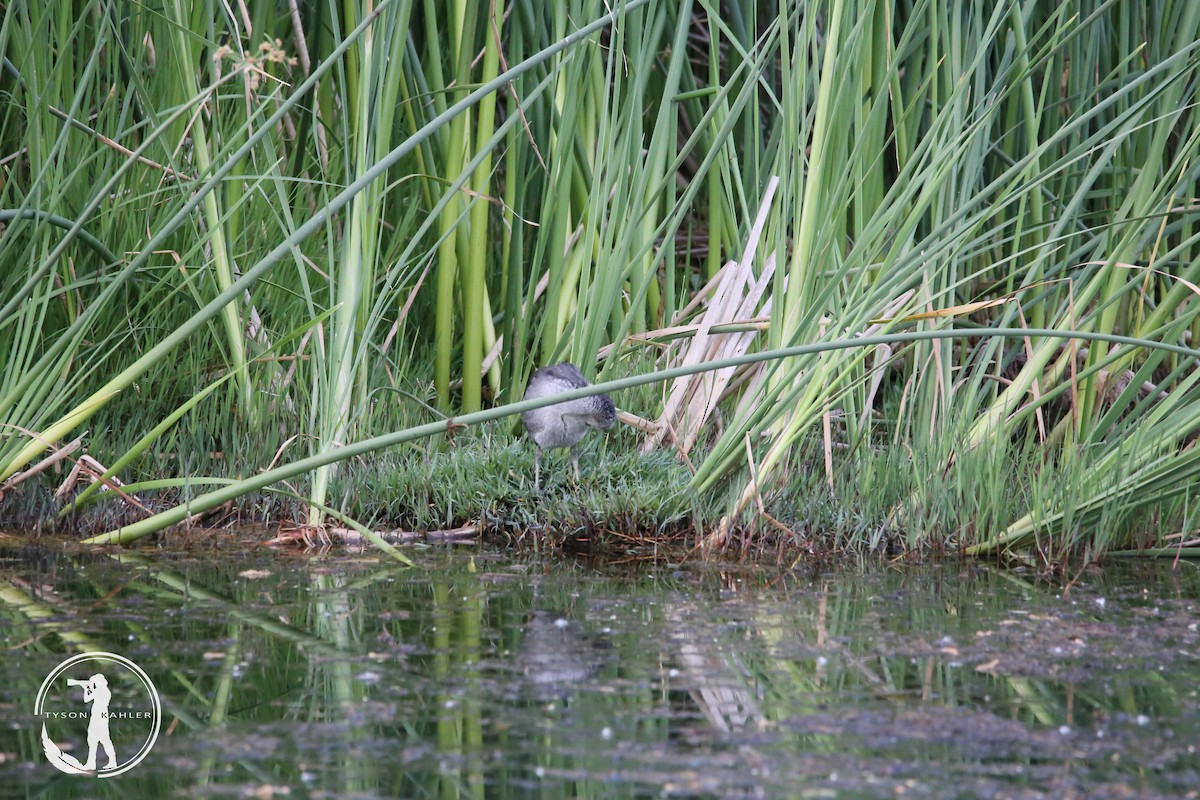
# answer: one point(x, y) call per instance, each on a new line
point(103, 708)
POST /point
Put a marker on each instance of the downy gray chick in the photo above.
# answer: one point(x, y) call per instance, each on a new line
point(563, 424)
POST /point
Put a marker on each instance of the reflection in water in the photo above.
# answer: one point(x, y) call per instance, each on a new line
point(717, 679)
point(555, 656)
point(344, 677)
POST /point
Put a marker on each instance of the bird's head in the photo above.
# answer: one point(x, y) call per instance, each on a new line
point(604, 414)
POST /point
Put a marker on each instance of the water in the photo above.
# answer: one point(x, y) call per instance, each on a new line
point(488, 676)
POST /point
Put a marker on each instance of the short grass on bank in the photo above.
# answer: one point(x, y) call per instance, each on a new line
point(487, 480)
point(941, 498)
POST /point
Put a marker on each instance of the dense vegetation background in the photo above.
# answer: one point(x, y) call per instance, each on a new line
point(242, 239)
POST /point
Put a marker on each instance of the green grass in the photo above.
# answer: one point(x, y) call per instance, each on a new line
point(488, 479)
point(239, 247)
point(884, 500)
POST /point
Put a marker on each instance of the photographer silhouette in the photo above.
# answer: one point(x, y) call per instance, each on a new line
point(96, 692)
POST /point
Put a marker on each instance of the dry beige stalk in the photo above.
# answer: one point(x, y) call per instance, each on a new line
point(46, 463)
point(735, 293)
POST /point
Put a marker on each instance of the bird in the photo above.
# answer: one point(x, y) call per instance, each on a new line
point(563, 424)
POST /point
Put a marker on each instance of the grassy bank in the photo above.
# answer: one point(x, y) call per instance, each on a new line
point(249, 245)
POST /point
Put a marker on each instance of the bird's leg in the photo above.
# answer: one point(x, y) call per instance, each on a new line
point(575, 460)
point(537, 470)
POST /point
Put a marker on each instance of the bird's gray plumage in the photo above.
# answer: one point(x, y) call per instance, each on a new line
point(563, 424)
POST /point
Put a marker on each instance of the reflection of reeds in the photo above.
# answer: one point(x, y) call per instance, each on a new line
point(715, 677)
point(305, 671)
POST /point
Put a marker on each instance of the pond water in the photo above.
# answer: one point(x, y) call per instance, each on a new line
point(489, 675)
